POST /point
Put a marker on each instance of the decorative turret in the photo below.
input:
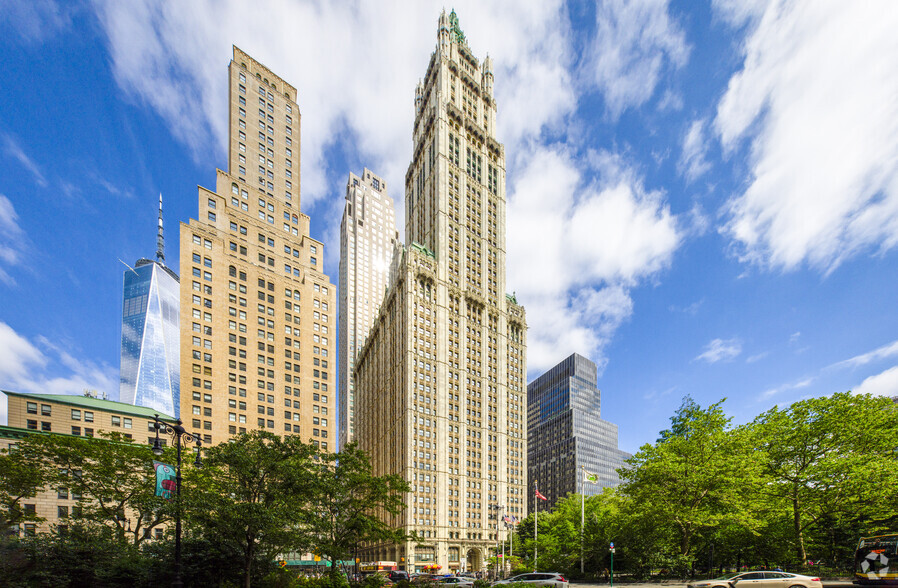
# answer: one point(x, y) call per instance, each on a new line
point(487, 82)
point(419, 97)
point(160, 239)
point(443, 34)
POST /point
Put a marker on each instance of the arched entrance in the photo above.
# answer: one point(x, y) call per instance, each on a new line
point(473, 560)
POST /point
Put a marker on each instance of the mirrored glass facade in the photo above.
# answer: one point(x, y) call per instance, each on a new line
point(150, 369)
point(565, 432)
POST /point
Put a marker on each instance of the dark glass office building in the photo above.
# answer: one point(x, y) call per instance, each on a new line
point(566, 434)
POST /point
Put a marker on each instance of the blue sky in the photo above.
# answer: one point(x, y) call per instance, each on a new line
point(702, 197)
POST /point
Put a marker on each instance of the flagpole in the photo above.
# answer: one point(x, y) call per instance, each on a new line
point(535, 522)
point(582, 512)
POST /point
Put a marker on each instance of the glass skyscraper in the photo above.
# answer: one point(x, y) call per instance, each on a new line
point(566, 434)
point(150, 369)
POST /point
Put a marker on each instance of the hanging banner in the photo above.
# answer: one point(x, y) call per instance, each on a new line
point(166, 482)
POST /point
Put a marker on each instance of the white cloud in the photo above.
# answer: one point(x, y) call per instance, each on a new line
point(720, 350)
point(803, 383)
point(591, 242)
point(693, 161)
point(48, 369)
point(635, 42)
point(884, 352)
point(355, 67)
point(11, 239)
point(881, 384)
point(816, 103)
point(36, 20)
point(14, 150)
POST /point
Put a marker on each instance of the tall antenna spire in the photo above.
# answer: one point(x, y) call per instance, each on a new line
point(160, 239)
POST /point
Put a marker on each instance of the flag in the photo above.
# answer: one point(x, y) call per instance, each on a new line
point(506, 519)
point(594, 478)
point(540, 496)
point(166, 482)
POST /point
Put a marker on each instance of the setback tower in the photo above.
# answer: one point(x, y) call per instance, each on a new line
point(258, 315)
point(440, 381)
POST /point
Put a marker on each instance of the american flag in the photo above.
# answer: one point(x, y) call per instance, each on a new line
point(506, 519)
point(540, 496)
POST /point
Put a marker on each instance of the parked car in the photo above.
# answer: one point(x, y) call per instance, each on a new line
point(760, 579)
point(537, 579)
point(398, 575)
point(461, 582)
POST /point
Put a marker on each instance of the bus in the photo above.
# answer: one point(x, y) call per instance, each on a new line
point(876, 560)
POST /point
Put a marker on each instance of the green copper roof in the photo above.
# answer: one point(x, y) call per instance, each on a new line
point(456, 30)
point(94, 403)
point(422, 249)
point(513, 298)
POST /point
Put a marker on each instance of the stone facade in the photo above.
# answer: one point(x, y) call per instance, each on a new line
point(440, 382)
point(62, 414)
point(258, 315)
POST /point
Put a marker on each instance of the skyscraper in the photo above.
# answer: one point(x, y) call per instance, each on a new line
point(150, 373)
point(367, 239)
point(257, 312)
point(440, 380)
point(567, 434)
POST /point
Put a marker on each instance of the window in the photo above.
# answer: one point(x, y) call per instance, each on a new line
point(45, 410)
point(127, 423)
point(76, 414)
point(76, 430)
point(116, 421)
point(45, 426)
point(88, 416)
point(31, 407)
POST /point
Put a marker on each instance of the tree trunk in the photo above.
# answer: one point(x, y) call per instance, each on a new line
point(799, 535)
point(248, 565)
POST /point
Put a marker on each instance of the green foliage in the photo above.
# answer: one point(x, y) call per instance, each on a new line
point(112, 475)
point(22, 475)
point(350, 503)
point(700, 475)
point(251, 497)
point(830, 459)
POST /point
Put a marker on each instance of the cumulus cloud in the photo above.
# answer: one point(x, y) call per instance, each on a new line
point(817, 107)
point(25, 365)
point(635, 43)
point(596, 240)
point(355, 84)
point(720, 350)
point(881, 384)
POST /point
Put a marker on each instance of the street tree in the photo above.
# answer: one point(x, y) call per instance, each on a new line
point(352, 506)
point(830, 459)
point(22, 476)
point(110, 476)
point(252, 496)
point(699, 475)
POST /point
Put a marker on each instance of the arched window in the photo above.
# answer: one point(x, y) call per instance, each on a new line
point(232, 271)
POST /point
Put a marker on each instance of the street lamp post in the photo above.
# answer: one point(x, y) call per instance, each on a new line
point(178, 434)
point(496, 508)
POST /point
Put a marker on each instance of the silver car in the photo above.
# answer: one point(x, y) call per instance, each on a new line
point(537, 579)
point(459, 581)
point(760, 579)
